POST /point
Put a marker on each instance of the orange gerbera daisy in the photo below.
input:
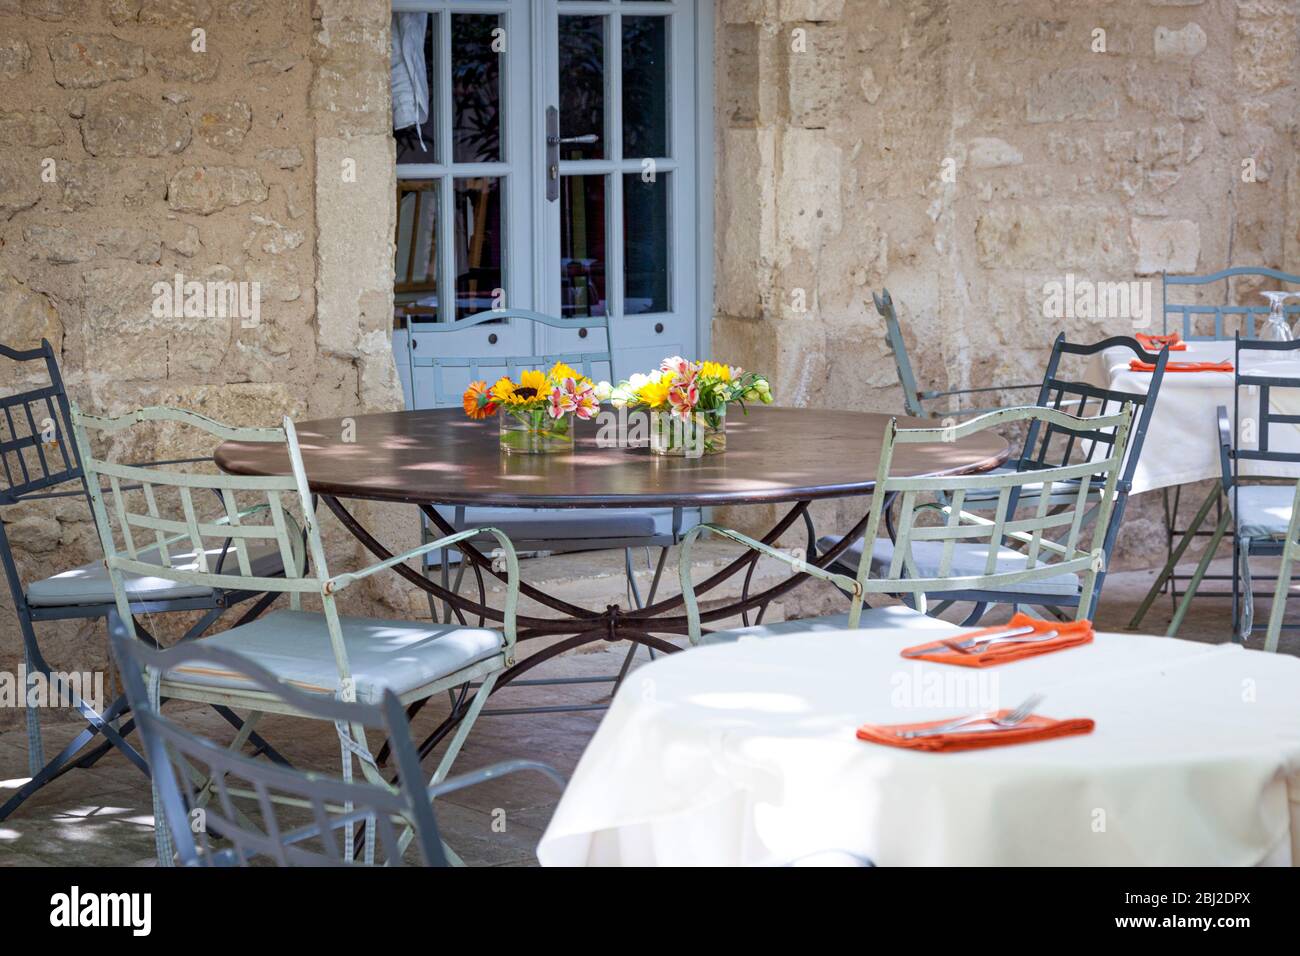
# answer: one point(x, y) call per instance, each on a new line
point(478, 404)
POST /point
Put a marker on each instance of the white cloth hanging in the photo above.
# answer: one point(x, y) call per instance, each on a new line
point(410, 74)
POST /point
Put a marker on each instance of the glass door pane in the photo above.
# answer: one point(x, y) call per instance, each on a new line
point(624, 80)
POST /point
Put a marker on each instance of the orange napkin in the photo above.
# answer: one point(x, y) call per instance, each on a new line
point(1137, 366)
point(1068, 635)
point(1034, 728)
point(1154, 343)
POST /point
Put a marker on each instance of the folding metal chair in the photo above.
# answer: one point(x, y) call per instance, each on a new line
point(1048, 447)
point(1261, 517)
point(1189, 320)
point(943, 551)
point(914, 398)
point(37, 456)
point(263, 813)
point(323, 653)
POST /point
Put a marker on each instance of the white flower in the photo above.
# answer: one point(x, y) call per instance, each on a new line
point(604, 391)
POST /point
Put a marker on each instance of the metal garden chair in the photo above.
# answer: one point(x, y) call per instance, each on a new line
point(321, 653)
point(1260, 516)
point(914, 398)
point(944, 551)
point(1228, 321)
point(37, 460)
point(292, 818)
point(438, 375)
point(1051, 447)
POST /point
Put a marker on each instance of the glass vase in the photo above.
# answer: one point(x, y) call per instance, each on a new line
point(703, 433)
point(535, 432)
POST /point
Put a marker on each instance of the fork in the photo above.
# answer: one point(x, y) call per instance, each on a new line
point(1017, 716)
point(983, 644)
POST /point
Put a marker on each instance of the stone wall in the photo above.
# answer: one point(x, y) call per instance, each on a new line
point(133, 149)
point(964, 153)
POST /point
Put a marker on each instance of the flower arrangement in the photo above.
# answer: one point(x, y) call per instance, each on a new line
point(536, 413)
point(688, 402)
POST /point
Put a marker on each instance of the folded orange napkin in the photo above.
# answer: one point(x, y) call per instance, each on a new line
point(1137, 366)
point(1154, 343)
point(1070, 634)
point(1034, 728)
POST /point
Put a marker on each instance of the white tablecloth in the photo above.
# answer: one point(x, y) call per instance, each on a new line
point(746, 754)
point(1182, 444)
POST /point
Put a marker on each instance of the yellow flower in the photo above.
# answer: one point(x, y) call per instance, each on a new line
point(718, 370)
point(655, 394)
point(531, 388)
point(559, 372)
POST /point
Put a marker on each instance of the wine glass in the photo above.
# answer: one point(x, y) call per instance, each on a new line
point(1276, 329)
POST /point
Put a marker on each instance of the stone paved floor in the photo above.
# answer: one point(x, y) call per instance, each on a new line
point(102, 816)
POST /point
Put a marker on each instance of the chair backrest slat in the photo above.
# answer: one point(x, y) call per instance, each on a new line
point(35, 422)
point(442, 335)
point(1263, 392)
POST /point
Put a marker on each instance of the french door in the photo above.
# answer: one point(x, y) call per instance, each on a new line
point(556, 171)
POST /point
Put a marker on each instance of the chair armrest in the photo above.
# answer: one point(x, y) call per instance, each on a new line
point(339, 582)
point(502, 769)
point(1225, 447)
point(841, 581)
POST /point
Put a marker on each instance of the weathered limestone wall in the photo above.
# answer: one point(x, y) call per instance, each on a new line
point(131, 152)
point(1115, 165)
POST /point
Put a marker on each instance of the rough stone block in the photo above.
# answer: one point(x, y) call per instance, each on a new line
point(1166, 246)
point(813, 10)
point(85, 60)
point(19, 186)
point(206, 189)
point(15, 58)
point(815, 83)
point(29, 316)
point(58, 244)
point(175, 13)
point(990, 152)
point(181, 64)
point(128, 124)
point(33, 129)
point(809, 192)
point(1187, 42)
point(1072, 93)
point(224, 127)
point(135, 245)
point(49, 10)
point(287, 158)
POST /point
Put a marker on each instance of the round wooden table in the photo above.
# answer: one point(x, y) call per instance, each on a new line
point(439, 457)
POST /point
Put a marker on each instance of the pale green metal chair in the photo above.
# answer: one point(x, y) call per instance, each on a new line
point(957, 552)
point(916, 400)
point(324, 653)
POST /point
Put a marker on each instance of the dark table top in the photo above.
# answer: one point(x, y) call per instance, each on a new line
point(441, 457)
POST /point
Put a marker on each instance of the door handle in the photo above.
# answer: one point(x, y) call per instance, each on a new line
point(552, 154)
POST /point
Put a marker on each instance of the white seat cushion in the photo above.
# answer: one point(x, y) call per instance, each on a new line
point(968, 560)
point(395, 655)
point(90, 583)
point(894, 616)
point(1263, 511)
point(567, 524)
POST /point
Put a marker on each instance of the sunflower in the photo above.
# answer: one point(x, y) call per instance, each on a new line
point(477, 402)
point(531, 387)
